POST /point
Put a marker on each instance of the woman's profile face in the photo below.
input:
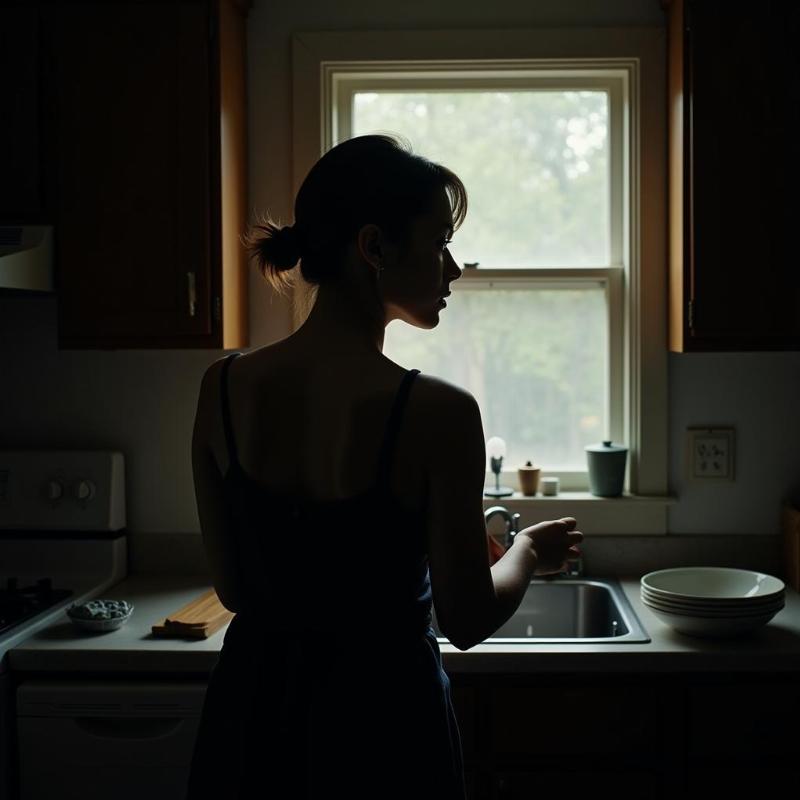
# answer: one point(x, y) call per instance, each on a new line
point(416, 276)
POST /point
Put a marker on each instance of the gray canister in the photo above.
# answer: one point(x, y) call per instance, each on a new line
point(606, 468)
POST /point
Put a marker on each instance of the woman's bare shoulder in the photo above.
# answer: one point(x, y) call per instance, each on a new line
point(441, 393)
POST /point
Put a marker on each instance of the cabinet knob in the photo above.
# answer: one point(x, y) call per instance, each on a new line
point(192, 293)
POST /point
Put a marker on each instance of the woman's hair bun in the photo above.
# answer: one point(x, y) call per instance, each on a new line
point(288, 233)
point(274, 248)
point(284, 249)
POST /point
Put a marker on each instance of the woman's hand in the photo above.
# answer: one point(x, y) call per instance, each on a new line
point(554, 541)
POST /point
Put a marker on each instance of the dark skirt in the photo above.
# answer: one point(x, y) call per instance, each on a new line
point(307, 717)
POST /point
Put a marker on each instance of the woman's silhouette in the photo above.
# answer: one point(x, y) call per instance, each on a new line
point(339, 494)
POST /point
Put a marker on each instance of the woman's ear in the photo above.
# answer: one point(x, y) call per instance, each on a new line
point(369, 244)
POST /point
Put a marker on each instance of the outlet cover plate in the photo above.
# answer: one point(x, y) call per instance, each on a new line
point(711, 453)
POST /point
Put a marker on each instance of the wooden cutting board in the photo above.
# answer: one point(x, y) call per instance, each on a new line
point(197, 620)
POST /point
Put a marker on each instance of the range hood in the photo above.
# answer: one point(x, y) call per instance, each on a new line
point(26, 258)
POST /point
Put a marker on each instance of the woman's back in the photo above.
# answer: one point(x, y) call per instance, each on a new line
point(330, 678)
point(311, 423)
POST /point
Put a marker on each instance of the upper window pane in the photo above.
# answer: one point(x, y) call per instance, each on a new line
point(535, 164)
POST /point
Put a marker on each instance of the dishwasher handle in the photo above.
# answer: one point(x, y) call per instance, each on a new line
point(129, 727)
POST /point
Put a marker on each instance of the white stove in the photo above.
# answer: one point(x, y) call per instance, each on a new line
point(63, 540)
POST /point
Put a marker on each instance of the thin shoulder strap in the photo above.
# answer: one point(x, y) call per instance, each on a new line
point(392, 426)
point(233, 458)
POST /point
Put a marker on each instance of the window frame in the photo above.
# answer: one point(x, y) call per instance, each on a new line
point(327, 65)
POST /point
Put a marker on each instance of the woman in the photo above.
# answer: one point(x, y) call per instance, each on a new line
point(339, 494)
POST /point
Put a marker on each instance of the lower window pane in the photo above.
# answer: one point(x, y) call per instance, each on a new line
point(535, 360)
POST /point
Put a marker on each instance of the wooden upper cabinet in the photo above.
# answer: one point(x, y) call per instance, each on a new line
point(21, 195)
point(734, 108)
point(146, 164)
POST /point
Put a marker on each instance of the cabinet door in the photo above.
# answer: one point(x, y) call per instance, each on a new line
point(557, 721)
point(744, 721)
point(742, 175)
point(128, 97)
point(735, 782)
point(573, 783)
point(21, 197)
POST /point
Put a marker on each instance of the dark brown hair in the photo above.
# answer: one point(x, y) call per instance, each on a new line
point(367, 179)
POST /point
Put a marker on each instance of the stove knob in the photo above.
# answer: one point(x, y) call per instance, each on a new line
point(84, 490)
point(54, 490)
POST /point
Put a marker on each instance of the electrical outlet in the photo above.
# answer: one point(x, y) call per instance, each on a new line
point(711, 453)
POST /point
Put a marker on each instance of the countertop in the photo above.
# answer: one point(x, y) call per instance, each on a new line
point(62, 648)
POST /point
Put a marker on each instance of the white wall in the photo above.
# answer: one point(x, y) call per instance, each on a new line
point(142, 402)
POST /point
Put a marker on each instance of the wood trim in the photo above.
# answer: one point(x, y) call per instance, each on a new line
point(675, 93)
point(233, 170)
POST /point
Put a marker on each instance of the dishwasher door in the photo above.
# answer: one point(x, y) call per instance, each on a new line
point(93, 739)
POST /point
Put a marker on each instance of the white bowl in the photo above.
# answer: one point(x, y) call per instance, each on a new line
point(722, 585)
point(711, 609)
point(712, 628)
point(724, 605)
point(712, 613)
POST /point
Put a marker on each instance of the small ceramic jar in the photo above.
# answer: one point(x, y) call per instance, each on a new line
point(529, 479)
point(606, 463)
point(549, 486)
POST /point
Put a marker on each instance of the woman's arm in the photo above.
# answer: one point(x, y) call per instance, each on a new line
point(211, 509)
point(471, 599)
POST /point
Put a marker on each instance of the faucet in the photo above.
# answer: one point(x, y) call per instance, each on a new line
point(574, 563)
point(512, 522)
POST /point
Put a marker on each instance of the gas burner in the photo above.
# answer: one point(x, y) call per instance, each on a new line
point(20, 604)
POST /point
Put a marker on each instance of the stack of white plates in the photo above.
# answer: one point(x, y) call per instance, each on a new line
point(712, 601)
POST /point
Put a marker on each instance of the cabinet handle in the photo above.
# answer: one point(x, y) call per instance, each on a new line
point(192, 294)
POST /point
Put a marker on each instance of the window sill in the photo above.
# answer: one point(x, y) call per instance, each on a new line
point(627, 514)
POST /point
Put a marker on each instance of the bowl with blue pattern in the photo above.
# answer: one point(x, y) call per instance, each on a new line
point(100, 615)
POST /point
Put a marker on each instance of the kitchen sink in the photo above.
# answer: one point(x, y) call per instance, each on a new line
point(563, 610)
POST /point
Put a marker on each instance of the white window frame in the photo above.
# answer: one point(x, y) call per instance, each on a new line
point(329, 66)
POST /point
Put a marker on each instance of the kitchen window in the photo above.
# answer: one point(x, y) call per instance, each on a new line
point(547, 329)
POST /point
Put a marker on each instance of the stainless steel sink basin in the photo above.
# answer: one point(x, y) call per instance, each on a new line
point(569, 610)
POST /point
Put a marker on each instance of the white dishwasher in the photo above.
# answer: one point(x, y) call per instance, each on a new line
point(93, 739)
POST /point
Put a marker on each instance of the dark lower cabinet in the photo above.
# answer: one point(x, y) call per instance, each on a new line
point(658, 736)
point(737, 781)
point(576, 783)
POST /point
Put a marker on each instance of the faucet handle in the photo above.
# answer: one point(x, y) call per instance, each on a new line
point(512, 529)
